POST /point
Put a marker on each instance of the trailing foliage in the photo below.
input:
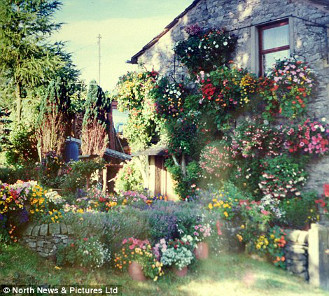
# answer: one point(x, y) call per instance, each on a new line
point(129, 178)
point(205, 50)
point(134, 94)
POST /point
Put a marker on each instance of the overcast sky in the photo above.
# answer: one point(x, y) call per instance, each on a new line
point(125, 26)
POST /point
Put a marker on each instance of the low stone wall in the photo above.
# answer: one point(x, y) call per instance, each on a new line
point(45, 239)
point(296, 253)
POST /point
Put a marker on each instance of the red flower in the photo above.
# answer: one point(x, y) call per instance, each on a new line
point(326, 190)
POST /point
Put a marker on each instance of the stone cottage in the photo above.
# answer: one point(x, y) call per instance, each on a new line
point(266, 30)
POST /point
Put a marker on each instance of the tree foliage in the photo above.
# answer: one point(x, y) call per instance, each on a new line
point(27, 59)
point(95, 124)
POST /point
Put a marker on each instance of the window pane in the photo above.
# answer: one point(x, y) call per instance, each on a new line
point(276, 37)
point(270, 59)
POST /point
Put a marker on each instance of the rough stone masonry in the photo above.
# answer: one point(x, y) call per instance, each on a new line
point(45, 238)
point(308, 41)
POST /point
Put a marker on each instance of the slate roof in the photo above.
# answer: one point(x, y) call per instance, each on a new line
point(153, 151)
point(134, 60)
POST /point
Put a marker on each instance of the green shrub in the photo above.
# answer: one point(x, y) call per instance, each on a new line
point(25, 173)
point(22, 147)
point(126, 222)
point(86, 252)
point(77, 173)
point(169, 219)
point(112, 227)
point(300, 211)
point(129, 178)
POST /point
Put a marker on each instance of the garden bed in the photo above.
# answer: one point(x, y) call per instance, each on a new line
point(223, 275)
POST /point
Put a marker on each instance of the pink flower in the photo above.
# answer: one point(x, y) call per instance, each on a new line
point(264, 212)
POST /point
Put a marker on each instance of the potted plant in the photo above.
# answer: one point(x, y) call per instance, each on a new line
point(137, 256)
point(177, 253)
point(201, 232)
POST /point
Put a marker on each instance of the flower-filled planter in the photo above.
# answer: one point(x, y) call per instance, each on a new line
point(177, 253)
point(205, 49)
point(180, 272)
point(201, 251)
point(310, 137)
point(227, 88)
point(135, 271)
point(293, 86)
point(137, 256)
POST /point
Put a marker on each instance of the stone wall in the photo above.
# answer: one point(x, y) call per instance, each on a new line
point(242, 17)
point(45, 238)
point(296, 253)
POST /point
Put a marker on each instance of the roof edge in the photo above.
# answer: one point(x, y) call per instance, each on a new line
point(134, 59)
point(321, 4)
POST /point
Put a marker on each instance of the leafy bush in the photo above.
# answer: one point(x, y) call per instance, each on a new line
point(51, 169)
point(216, 161)
point(167, 219)
point(25, 173)
point(300, 211)
point(282, 177)
point(22, 146)
point(85, 252)
point(77, 173)
point(129, 178)
point(111, 227)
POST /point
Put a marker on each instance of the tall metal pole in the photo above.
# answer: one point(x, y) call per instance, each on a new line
point(99, 58)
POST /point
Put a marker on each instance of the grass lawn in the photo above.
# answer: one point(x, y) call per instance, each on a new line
point(225, 276)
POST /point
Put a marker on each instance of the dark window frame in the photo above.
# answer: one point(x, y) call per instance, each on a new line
point(262, 51)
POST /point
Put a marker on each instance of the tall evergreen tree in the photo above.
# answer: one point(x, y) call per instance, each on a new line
point(26, 57)
point(95, 125)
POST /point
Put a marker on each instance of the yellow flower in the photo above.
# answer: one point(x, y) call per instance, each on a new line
point(226, 214)
point(210, 206)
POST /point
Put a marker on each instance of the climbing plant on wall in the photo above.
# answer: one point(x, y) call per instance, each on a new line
point(134, 95)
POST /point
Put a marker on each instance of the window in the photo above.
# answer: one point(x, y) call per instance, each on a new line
point(273, 44)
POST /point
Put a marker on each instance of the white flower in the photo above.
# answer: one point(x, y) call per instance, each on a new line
point(323, 119)
point(225, 43)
